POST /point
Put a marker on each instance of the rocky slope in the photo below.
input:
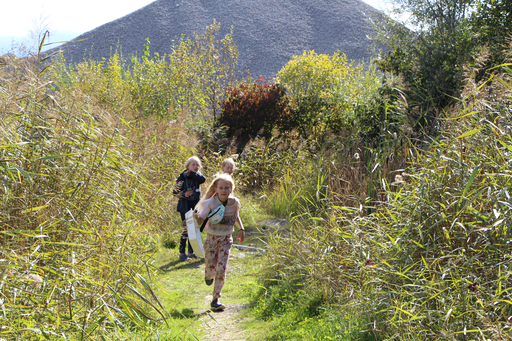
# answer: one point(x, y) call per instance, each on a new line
point(268, 33)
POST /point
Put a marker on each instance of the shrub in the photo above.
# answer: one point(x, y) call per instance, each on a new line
point(192, 79)
point(324, 91)
point(252, 110)
point(380, 115)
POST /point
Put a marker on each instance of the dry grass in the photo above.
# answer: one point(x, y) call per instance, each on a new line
point(86, 193)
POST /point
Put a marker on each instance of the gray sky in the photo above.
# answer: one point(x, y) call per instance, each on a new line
point(67, 19)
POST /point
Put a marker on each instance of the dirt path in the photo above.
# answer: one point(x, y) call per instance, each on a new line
point(225, 325)
point(185, 291)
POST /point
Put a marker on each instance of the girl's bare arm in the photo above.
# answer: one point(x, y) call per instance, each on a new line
point(198, 218)
point(241, 233)
point(239, 222)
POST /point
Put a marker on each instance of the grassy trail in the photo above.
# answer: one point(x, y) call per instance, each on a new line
point(183, 293)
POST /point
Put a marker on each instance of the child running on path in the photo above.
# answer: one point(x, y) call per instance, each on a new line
point(217, 244)
point(188, 192)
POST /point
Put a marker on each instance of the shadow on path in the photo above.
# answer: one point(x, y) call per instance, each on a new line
point(179, 265)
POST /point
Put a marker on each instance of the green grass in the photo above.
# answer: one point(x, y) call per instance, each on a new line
point(181, 288)
point(253, 212)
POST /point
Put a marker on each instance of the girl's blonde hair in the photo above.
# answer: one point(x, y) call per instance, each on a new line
point(191, 159)
point(229, 161)
point(211, 191)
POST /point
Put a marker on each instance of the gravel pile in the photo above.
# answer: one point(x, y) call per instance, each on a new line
point(268, 32)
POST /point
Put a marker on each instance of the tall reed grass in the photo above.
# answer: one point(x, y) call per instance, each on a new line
point(86, 191)
point(412, 238)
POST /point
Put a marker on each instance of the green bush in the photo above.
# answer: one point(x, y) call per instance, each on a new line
point(324, 91)
point(265, 163)
point(150, 82)
point(380, 116)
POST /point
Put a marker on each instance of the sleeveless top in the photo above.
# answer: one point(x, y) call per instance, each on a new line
point(227, 224)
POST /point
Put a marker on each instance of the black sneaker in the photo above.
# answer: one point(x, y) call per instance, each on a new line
point(217, 306)
point(192, 256)
point(208, 281)
point(183, 257)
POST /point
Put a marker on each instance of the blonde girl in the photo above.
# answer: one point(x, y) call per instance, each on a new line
point(217, 244)
point(188, 191)
point(228, 166)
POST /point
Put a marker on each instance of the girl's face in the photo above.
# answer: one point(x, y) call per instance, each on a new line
point(228, 168)
point(223, 189)
point(193, 166)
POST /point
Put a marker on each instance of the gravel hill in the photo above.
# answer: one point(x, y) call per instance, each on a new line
point(268, 33)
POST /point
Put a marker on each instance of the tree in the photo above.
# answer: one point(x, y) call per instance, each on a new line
point(203, 67)
point(430, 56)
point(492, 22)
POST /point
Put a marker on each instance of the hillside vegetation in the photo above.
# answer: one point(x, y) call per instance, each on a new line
point(399, 203)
